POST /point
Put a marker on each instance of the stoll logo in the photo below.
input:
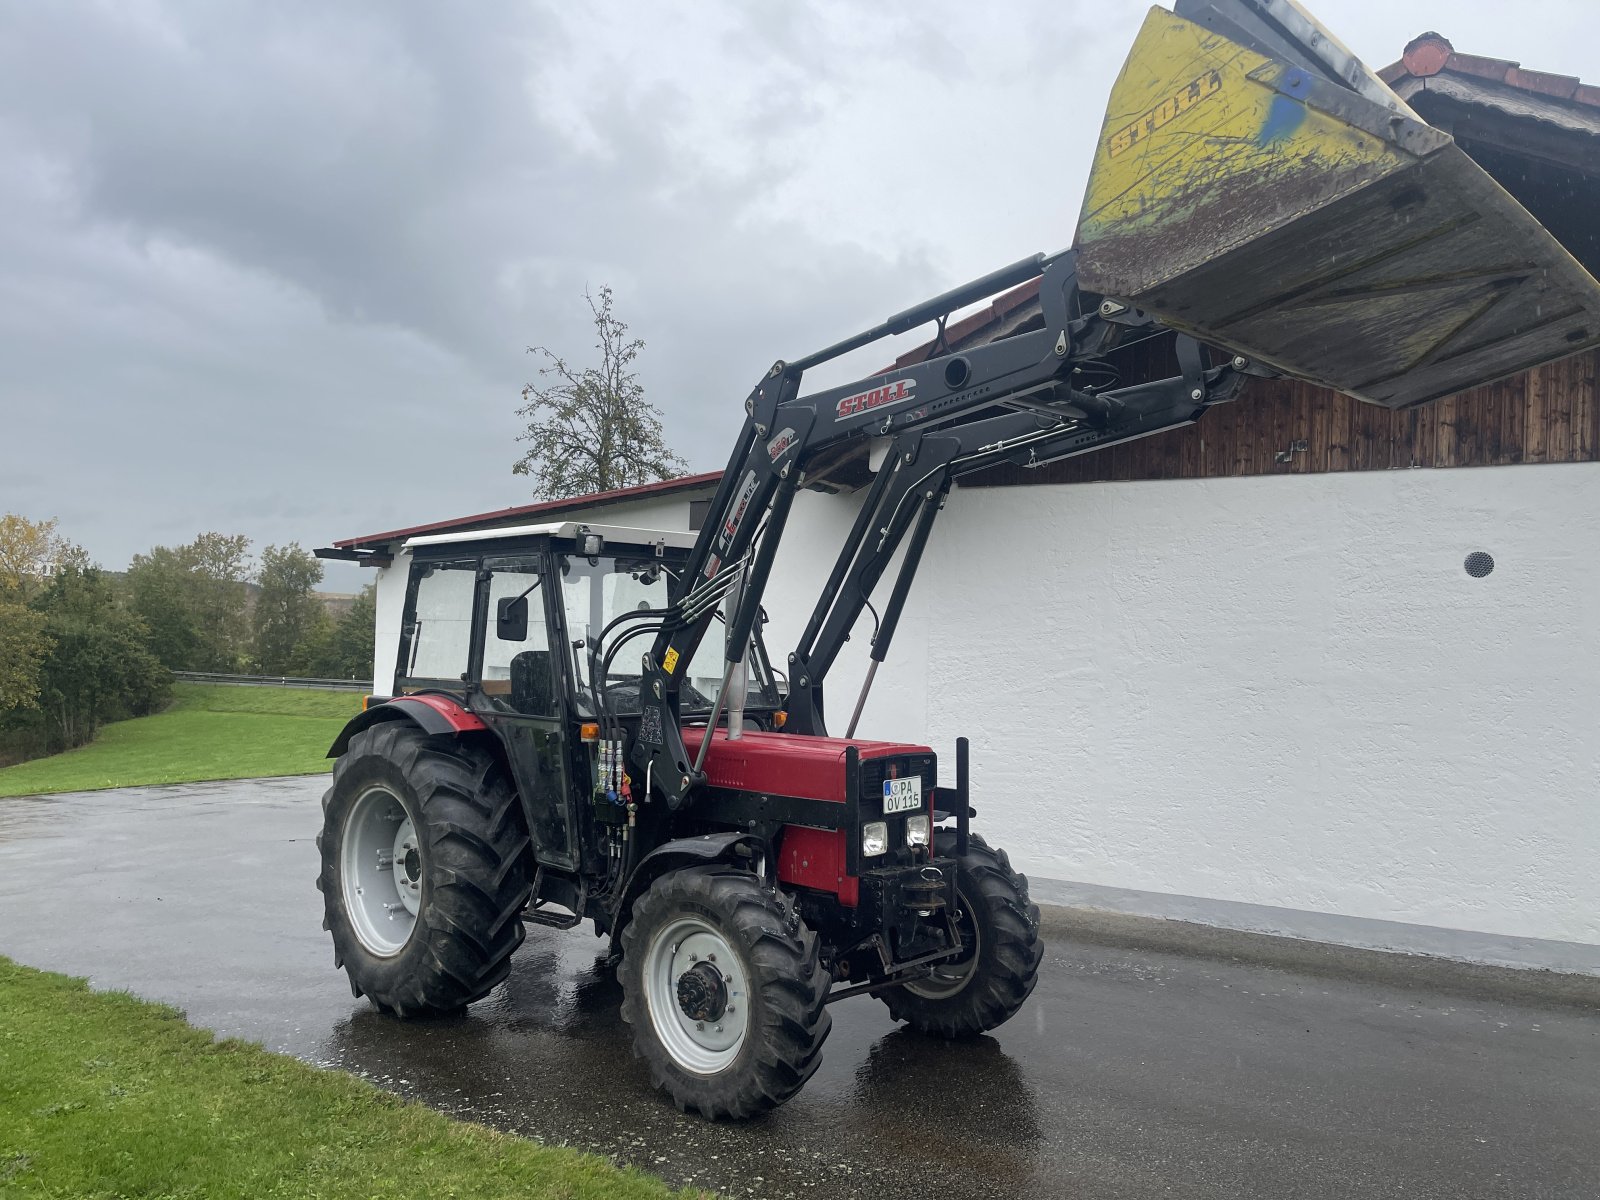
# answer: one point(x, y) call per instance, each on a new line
point(888, 393)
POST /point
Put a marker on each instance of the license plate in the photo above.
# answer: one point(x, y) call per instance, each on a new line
point(902, 795)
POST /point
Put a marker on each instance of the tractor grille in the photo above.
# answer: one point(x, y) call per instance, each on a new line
point(875, 770)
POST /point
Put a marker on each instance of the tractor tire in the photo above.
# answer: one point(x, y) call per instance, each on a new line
point(986, 986)
point(722, 984)
point(425, 870)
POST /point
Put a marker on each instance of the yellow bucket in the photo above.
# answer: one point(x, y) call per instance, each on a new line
point(1274, 198)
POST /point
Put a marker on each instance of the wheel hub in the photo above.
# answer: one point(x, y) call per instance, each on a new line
point(381, 872)
point(702, 993)
point(407, 860)
point(697, 994)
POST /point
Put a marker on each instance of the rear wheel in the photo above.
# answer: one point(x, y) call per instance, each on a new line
point(723, 988)
point(425, 870)
point(999, 966)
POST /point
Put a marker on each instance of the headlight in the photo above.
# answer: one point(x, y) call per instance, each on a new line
point(874, 838)
point(917, 830)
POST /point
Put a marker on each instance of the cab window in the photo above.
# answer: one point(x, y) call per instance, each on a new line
point(437, 637)
point(518, 671)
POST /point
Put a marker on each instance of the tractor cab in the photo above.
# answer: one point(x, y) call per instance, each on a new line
point(537, 631)
point(512, 620)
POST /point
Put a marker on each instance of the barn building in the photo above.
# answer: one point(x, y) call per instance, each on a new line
point(1309, 667)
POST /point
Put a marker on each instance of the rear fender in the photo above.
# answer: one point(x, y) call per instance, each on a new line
point(428, 712)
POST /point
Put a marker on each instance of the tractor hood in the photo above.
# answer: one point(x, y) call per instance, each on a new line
point(1256, 186)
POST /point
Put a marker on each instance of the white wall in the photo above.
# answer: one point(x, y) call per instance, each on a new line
point(1275, 703)
point(1282, 695)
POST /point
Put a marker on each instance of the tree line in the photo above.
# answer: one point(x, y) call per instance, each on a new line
point(80, 645)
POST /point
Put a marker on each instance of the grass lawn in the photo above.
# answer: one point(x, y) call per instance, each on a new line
point(104, 1095)
point(209, 732)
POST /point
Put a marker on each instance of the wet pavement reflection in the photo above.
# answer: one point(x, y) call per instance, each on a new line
point(1130, 1073)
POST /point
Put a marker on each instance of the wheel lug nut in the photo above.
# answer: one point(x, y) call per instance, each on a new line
point(700, 1025)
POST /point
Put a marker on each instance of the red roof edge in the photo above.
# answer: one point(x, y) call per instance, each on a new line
point(546, 508)
point(1430, 53)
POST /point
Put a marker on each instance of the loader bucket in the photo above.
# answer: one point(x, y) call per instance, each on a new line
point(1256, 186)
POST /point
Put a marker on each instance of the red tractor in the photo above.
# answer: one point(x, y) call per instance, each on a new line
point(567, 744)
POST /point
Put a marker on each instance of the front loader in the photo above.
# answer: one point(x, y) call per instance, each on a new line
point(568, 743)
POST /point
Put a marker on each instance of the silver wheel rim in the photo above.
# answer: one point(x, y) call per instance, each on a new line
point(703, 1047)
point(381, 872)
point(946, 979)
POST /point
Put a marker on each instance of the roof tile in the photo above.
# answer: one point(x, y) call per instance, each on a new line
point(1559, 86)
point(1484, 68)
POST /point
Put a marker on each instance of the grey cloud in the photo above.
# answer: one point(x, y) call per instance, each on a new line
point(273, 268)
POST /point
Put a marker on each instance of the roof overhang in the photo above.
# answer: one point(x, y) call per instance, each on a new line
point(374, 549)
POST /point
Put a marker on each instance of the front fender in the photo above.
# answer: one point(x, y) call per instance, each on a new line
point(428, 711)
point(708, 847)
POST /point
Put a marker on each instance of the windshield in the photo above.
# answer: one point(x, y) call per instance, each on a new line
point(594, 592)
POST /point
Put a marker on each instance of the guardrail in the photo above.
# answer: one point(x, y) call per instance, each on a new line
point(288, 681)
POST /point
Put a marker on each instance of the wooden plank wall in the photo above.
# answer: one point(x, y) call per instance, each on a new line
point(1546, 415)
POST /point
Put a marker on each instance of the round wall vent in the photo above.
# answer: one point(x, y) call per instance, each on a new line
point(1478, 564)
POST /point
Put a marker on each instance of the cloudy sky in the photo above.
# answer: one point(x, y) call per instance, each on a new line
point(273, 268)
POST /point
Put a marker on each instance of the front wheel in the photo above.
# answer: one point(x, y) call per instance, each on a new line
point(722, 984)
point(999, 965)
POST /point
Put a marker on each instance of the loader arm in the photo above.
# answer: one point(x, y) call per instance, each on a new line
point(1011, 400)
point(1254, 187)
point(910, 489)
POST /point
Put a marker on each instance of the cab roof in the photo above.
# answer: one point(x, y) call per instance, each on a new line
point(627, 535)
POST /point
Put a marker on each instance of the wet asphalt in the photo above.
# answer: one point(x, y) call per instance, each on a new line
point(1131, 1072)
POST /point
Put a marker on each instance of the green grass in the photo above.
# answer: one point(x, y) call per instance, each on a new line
point(105, 1095)
point(209, 732)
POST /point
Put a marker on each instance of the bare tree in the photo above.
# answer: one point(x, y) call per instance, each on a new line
point(592, 430)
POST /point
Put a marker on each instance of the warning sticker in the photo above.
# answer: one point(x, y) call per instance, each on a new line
point(669, 661)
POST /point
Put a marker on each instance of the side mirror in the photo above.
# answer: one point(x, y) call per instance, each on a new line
point(511, 619)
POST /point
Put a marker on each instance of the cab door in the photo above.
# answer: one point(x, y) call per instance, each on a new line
point(518, 692)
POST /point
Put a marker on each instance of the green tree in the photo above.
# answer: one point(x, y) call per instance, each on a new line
point(160, 590)
point(30, 552)
point(99, 667)
point(592, 430)
point(193, 598)
point(23, 647)
point(221, 565)
point(289, 620)
point(350, 648)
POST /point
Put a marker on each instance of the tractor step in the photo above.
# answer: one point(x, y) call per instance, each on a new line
point(536, 914)
point(555, 920)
